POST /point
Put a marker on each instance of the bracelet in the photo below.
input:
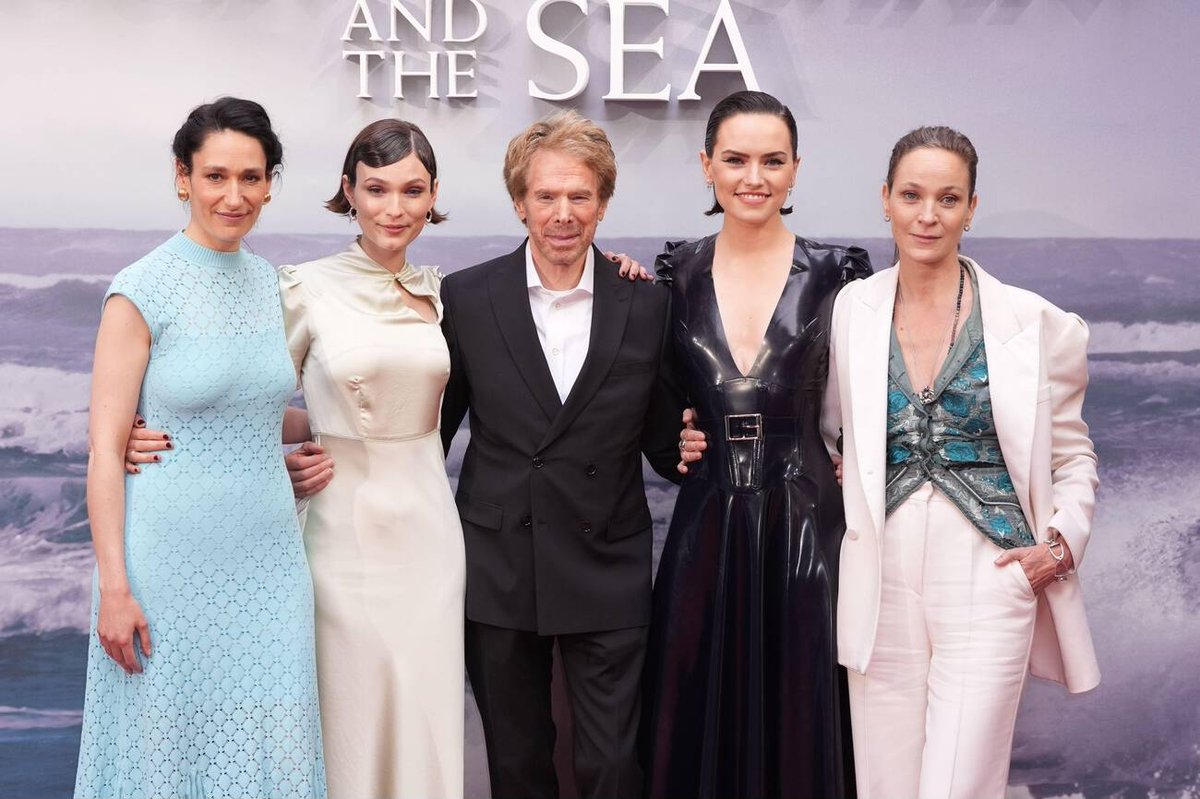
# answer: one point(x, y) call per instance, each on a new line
point(1060, 574)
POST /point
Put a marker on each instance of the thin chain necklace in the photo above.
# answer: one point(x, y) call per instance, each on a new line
point(926, 394)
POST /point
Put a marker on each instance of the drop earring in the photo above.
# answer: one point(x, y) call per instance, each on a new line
point(353, 214)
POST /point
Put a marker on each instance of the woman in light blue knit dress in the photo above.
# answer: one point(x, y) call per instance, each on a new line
point(201, 677)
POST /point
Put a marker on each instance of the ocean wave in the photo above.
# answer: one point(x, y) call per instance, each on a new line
point(46, 570)
point(43, 410)
point(28, 718)
point(49, 280)
point(1143, 337)
point(1152, 373)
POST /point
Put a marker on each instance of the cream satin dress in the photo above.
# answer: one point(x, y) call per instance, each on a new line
point(384, 541)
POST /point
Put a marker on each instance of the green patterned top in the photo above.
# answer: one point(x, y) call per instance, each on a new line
point(952, 442)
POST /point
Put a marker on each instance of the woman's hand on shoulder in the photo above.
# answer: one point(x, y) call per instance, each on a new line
point(628, 267)
point(119, 626)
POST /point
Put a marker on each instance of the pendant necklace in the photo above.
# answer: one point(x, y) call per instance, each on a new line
point(926, 394)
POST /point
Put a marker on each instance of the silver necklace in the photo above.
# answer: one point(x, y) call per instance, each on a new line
point(926, 394)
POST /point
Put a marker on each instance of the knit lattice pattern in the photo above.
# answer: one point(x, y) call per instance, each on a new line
point(227, 704)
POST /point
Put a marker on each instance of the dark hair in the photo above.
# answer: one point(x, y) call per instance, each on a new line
point(747, 102)
point(383, 143)
point(938, 137)
point(227, 113)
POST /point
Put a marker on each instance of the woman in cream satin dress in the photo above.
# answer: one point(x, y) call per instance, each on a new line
point(384, 541)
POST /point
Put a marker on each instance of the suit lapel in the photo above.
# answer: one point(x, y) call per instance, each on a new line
point(1014, 359)
point(510, 303)
point(870, 337)
point(610, 311)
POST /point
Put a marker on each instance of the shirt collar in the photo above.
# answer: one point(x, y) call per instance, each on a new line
point(587, 281)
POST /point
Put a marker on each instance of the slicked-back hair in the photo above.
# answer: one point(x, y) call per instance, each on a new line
point(748, 102)
point(936, 137)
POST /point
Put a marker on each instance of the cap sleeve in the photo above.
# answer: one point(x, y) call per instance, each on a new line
point(133, 284)
point(293, 298)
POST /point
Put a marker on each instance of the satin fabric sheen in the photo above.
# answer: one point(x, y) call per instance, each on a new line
point(384, 539)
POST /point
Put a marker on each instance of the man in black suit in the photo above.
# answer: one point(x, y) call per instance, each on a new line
point(561, 368)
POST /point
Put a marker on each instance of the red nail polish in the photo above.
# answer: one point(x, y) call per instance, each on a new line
point(166, 437)
point(170, 445)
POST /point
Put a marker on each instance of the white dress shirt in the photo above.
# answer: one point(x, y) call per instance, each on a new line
point(563, 320)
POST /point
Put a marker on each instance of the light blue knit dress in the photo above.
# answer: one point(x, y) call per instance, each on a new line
point(227, 704)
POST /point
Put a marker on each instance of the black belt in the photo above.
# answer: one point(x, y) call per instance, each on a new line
point(751, 426)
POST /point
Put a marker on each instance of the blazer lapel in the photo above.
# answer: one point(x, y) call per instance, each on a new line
point(510, 303)
point(610, 311)
point(1014, 360)
point(870, 337)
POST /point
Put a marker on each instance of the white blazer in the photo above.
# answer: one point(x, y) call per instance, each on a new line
point(1037, 362)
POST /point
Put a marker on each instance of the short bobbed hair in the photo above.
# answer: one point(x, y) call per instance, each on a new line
point(383, 143)
point(564, 132)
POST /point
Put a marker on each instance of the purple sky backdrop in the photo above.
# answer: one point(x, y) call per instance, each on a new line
point(1079, 108)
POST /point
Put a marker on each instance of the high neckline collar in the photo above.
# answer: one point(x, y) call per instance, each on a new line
point(186, 248)
point(360, 258)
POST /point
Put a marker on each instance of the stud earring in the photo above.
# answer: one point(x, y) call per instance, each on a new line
point(266, 198)
point(966, 227)
point(183, 195)
point(887, 217)
point(353, 214)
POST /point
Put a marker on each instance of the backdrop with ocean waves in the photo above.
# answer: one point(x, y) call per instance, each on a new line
point(1137, 735)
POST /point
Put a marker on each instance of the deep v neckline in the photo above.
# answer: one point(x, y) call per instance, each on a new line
point(721, 332)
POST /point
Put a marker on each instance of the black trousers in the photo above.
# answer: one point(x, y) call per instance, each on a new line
point(510, 673)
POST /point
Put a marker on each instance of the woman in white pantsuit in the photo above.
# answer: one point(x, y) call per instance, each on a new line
point(969, 483)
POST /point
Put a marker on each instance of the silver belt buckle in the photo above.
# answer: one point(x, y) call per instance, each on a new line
point(743, 427)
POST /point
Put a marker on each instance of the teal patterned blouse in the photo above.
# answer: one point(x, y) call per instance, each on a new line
point(952, 442)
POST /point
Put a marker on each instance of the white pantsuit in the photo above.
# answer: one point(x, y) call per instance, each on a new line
point(936, 637)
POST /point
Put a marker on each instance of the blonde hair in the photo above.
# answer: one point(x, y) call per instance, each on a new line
point(565, 132)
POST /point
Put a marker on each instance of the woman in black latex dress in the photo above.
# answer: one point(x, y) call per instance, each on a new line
point(743, 694)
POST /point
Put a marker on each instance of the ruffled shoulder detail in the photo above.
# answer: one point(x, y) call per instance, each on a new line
point(856, 264)
point(675, 258)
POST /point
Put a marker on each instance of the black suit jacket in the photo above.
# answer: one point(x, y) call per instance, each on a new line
point(558, 534)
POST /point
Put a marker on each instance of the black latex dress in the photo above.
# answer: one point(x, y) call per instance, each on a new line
point(743, 695)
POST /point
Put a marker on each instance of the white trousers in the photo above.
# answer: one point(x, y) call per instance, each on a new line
point(933, 716)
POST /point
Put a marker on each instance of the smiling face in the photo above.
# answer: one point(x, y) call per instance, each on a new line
point(752, 166)
point(392, 203)
point(226, 185)
point(930, 204)
point(561, 208)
